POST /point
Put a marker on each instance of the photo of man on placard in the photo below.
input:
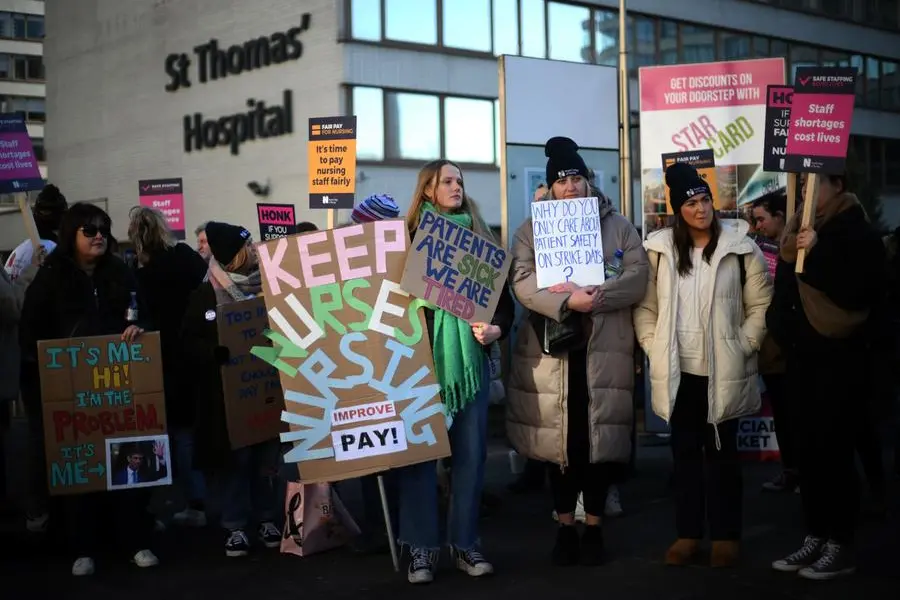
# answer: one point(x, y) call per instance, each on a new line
point(141, 462)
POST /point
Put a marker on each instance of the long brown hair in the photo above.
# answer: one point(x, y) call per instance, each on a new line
point(428, 180)
point(149, 232)
point(684, 244)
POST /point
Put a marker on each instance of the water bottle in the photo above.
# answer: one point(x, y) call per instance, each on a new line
point(131, 315)
point(614, 266)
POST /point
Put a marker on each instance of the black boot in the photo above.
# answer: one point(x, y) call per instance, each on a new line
point(566, 549)
point(592, 552)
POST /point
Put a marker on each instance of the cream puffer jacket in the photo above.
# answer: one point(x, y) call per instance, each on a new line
point(737, 323)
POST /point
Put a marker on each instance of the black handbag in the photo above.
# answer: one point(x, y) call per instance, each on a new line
point(559, 337)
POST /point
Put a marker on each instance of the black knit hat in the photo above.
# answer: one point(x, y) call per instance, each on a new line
point(563, 160)
point(225, 240)
point(50, 201)
point(684, 182)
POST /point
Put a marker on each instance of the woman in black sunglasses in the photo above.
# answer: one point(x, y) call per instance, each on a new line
point(84, 290)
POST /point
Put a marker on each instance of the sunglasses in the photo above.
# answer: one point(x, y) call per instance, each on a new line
point(92, 230)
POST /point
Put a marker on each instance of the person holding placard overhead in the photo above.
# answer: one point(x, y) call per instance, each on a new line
point(701, 324)
point(570, 397)
point(461, 354)
point(825, 320)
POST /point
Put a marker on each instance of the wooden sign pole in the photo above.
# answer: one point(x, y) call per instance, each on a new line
point(30, 225)
point(809, 213)
point(791, 196)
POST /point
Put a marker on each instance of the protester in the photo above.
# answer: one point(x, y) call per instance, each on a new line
point(49, 208)
point(306, 226)
point(701, 324)
point(461, 353)
point(823, 320)
point(202, 241)
point(574, 408)
point(84, 290)
point(169, 272)
point(246, 474)
point(769, 214)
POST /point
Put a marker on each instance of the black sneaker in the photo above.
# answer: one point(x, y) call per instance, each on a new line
point(269, 535)
point(802, 558)
point(421, 565)
point(592, 550)
point(237, 544)
point(835, 561)
point(566, 550)
point(472, 562)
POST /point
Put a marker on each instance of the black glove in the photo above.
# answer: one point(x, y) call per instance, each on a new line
point(222, 355)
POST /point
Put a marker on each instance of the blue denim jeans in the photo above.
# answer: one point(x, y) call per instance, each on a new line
point(417, 484)
point(249, 487)
point(189, 480)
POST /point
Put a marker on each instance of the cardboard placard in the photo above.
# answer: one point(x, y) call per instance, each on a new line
point(778, 118)
point(331, 157)
point(345, 336)
point(455, 269)
point(702, 160)
point(251, 387)
point(568, 245)
point(276, 221)
point(19, 171)
point(821, 115)
point(103, 406)
point(166, 196)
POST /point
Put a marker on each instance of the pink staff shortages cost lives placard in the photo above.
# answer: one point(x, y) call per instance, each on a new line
point(19, 171)
point(821, 113)
point(166, 196)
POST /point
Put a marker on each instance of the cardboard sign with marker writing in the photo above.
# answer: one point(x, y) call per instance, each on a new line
point(455, 269)
point(360, 391)
point(252, 389)
point(95, 390)
point(568, 245)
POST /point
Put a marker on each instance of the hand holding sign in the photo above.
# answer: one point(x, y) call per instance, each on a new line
point(485, 333)
point(806, 239)
point(582, 300)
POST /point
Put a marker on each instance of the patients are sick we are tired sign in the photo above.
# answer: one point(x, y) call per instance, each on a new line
point(352, 352)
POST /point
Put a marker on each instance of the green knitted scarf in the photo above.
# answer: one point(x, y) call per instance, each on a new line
point(458, 357)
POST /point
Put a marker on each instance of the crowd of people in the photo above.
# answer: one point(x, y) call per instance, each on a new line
point(718, 310)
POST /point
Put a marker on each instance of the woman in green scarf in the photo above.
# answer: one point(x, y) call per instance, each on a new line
point(461, 352)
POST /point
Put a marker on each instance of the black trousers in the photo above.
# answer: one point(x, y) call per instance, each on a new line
point(824, 381)
point(783, 415)
point(580, 476)
point(92, 519)
point(708, 480)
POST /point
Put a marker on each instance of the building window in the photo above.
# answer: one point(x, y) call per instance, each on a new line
point(668, 43)
point(534, 28)
point(760, 47)
point(33, 109)
point(734, 46)
point(506, 27)
point(39, 153)
point(467, 24)
point(469, 130)
point(890, 86)
point(802, 56)
point(412, 126)
point(606, 38)
point(642, 45)
point(859, 62)
point(20, 26)
point(21, 68)
point(698, 44)
point(873, 73)
point(368, 106)
point(365, 20)
point(569, 32)
point(413, 21)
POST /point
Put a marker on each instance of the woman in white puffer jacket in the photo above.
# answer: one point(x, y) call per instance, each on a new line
point(701, 324)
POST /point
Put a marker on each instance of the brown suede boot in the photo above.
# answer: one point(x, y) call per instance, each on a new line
point(682, 552)
point(724, 554)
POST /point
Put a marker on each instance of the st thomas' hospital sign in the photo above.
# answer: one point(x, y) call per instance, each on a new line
point(214, 62)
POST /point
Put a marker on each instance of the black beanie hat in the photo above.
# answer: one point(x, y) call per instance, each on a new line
point(684, 182)
point(563, 160)
point(225, 240)
point(50, 201)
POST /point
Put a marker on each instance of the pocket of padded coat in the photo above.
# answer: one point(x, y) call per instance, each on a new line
point(745, 343)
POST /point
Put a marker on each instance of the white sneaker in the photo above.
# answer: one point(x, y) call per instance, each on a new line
point(579, 511)
point(37, 524)
point(613, 503)
point(190, 517)
point(83, 566)
point(144, 559)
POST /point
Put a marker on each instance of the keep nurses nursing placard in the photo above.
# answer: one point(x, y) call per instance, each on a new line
point(567, 242)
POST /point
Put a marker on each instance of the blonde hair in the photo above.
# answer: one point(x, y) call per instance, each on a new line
point(240, 260)
point(149, 232)
point(428, 179)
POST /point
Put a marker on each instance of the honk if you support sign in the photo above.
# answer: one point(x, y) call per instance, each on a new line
point(352, 352)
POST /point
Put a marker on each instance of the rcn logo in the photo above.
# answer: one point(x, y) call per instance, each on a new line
point(807, 162)
point(327, 200)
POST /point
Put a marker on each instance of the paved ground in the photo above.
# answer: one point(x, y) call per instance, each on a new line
point(517, 538)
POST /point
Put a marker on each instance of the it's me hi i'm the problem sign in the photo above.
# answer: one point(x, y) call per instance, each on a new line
point(455, 269)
